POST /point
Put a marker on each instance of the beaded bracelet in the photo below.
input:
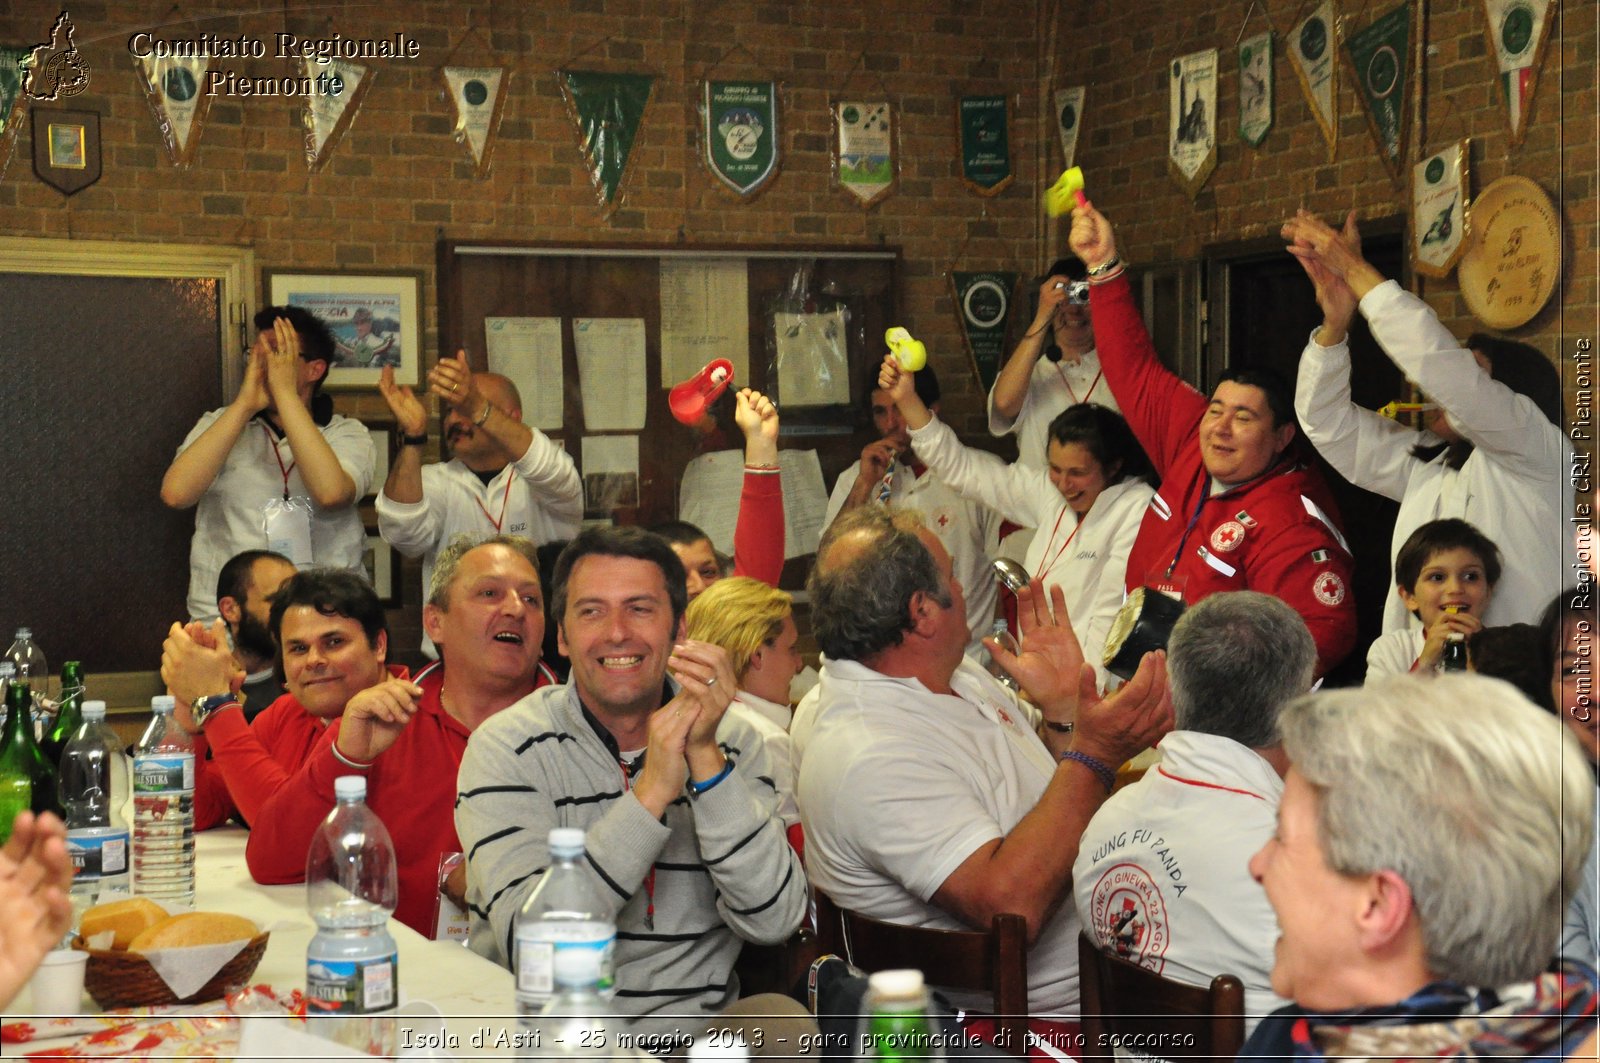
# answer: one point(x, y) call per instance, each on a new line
point(1102, 770)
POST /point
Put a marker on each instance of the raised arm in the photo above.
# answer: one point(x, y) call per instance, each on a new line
point(330, 486)
point(200, 459)
point(452, 380)
point(1161, 409)
point(1010, 389)
point(758, 534)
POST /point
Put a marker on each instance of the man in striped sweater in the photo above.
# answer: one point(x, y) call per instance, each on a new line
point(674, 792)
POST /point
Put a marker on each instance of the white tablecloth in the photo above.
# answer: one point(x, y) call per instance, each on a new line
point(474, 995)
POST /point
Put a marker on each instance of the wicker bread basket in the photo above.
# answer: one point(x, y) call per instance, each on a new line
point(119, 979)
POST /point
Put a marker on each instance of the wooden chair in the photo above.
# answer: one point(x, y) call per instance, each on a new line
point(993, 960)
point(1120, 998)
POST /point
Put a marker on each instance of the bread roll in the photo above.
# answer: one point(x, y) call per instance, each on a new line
point(125, 919)
point(194, 928)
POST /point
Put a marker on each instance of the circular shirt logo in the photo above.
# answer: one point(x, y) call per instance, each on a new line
point(1227, 536)
point(1328, 588)
point(1130, 916)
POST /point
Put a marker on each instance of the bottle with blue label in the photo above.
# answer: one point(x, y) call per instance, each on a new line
point(163, 808)
point(565, 933)
point(93, 779)
point(352, 888)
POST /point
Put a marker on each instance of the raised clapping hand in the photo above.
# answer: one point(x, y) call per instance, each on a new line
point(451, 380)
point(283, 362)
point(35, 912)
point(1334, 296)
point(253, 397)
point(683, 732)
point(196, 663)
point(374, 718)
point(1338, 252)
point(1050, 667)
point(409, 413)
point(1134, 718)
point(1091, 238)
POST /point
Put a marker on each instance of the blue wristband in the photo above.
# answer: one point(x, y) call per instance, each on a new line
point(1102, 771)
point(698, 788)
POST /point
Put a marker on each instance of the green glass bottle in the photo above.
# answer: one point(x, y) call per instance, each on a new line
point(20, 754)
point(16, 784)
point(897, 1027)
point(69, 714)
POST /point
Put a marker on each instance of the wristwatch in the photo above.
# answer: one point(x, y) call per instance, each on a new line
point(205, 705)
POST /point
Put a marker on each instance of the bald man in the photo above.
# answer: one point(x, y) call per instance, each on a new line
point(503, 477)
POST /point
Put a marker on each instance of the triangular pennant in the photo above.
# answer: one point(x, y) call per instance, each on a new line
point(739, 133)
point(1069, 119)
point(1311, 52)
point(478, 94)
point(174, 89)
point(984, 125)
point(1192, 118)
point(1518, 31)
point(863, 148)
point(1438, 210)
point(1380, 59)
point(13, 101)
point(984, 302)
point(607, 110)
point(337, 90)
point(1255, 88)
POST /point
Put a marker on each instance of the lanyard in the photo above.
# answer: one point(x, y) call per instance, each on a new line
point(504, 501)
point(650, 879)
point(1073, 394)
point(1059, 518)
point(272, 445)
point(1205, 496)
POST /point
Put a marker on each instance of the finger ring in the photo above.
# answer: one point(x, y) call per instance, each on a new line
point(711, 682)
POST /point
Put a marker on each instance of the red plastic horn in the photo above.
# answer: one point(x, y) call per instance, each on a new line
point(690, 399)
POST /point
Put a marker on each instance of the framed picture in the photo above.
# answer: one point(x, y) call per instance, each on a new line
point(66, 148)
point(383, 569)
point(376, 320)
point(383, 447)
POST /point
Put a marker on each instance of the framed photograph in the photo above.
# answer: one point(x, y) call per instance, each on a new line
point(66, 148)
point(383, 569)
point(376, 320)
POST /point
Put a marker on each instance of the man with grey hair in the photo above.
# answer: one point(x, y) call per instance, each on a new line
point(930, 795)
point(1161, 876)
point(502, 477)
point(1427, 833)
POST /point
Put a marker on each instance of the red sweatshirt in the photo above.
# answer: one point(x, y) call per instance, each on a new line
point(411, 787)
point(758, 533)
point(1273, 534)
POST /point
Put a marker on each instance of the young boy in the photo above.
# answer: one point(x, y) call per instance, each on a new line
point(1444, 574)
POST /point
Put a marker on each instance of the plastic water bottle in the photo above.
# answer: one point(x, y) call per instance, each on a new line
point(163, 807)
point(565, 932)
point(572, 1025)
point(28, 659)
point(352, 887)
point(92, 778)
point(1001, 634)
point(896, 1025)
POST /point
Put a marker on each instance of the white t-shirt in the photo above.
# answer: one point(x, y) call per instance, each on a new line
point(898, 786)
point(230, 517)
point(1394, 653)
point(771, 721)
point(1163, 868)
point(1052, 388)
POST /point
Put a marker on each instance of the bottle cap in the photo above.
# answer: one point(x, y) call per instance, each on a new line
point(350, 788)
point(163, 703)
point(895, 984)
point(566, 840)
point(94, 710)
point(24, 633)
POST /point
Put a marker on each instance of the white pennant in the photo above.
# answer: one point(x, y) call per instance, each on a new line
point(336, 92)
point(175, 89)
point(477, 92)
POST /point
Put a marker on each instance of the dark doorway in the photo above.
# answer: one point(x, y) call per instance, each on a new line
point(1262, 311)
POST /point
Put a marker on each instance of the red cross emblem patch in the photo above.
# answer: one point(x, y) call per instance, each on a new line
point(1227, 536)
point(1328, 588)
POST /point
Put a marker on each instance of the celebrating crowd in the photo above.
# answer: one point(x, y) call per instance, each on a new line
point(1401, 869)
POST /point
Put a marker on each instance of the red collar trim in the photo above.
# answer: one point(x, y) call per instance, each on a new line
point(1207, 785)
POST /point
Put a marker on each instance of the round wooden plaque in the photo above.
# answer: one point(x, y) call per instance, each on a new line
point(1513, 257)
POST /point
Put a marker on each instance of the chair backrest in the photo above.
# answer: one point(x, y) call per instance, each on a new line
point(1157, 1016)
point(993, 960)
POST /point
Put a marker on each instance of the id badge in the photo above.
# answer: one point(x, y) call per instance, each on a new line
point(1162, 583)
point(450, 923)
point(287, 522)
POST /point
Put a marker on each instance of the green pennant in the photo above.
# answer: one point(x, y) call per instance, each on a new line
point(985, 143)
point(1380, 59)
point(12, 73)
point(984, 302)
point(607, 109)
point(740, 133)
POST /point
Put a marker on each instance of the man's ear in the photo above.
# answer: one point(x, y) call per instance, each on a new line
point(381, 647)
point(1284, 435)
point(228, 608)
point(432, 623)
point(924, 612)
